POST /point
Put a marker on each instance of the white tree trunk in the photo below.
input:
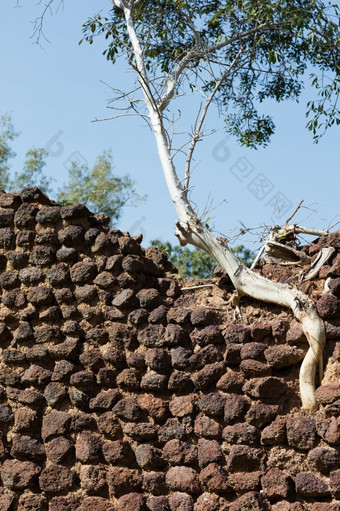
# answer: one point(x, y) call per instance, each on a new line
point(190, 230)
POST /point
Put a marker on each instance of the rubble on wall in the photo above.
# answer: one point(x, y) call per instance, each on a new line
point(119, 392)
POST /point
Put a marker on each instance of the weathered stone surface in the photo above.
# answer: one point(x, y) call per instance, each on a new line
point(180, 406)
point(301, 432)
point(171, 429)
point(55, 423)
point(212, 404)
point(70, 503)
point(207, 427)
point(149, 457)
point(283, 356)
point(279, 328)
point(324, 459)
point(329, 430)
point(88, 447)
point(158, 359)
point(214, 478)
point(326, 506)
point(25, 216)
point(6, 414)
point(96, 504)
point(27, 448)
point(254, 368)
point(328, 306)
point(275, 433)
point(231, 381)
point(19, 475)
point(55, 393)
point(259, 330)
point(235, 408)
point(122, 480)
point(141, 432)
point(261, 414)
point(30, 502)
point(209, 335)
point(37, 376)
point(244, 459)
point(148, 298)
point(154, 406)
point(253, 350)
point(334, 481)
point(204, 378)
point(243, 482)
point(251, 501)
point(269, 388)
point(105, 400)
point(118, 452)
point(152, 336)
point(109, 425)
point(56, 478)
point(208, 355)
point(153, 381)
point(241, 433)
point(131, 502)
point(295, 334)
point(237, 334)
point(83, 272)
point(59, 450)
point(328, 393)
point(160, 503)
point(208, 451)
point(154, 482)
point(277, 484)
point(129, 379)
point(177, 452)
point(175, 335)
point(26, 420)
point(201, 316)
point(181, 502)
point(183, 479)
point(309, 485)
point(93, 479)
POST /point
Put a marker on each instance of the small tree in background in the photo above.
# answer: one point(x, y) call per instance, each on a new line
point(99, 188)
point(32, 173)
point(196, 263)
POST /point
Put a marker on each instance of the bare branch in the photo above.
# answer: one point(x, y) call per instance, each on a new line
point(294, 212)
point(198, 131)
point(195, 54)
point(38, 32)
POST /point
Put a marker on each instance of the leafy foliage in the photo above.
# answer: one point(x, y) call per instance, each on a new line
point(32, 174)
point(7, 135)
point(99, 188)
point(196, 263)
point(265, 46)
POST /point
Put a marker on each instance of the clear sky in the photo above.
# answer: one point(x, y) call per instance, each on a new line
point(54, 91)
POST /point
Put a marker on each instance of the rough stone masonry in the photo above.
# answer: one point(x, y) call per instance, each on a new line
point(119, 392)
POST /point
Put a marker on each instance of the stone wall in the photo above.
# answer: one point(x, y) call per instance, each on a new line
point(119, 392)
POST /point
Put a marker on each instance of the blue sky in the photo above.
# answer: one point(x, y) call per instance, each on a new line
point(55, 91)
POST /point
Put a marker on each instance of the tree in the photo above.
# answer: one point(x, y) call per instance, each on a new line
point(99, 188)
point(196, 263)
point(32, 173)
point(236, 54)
point(6, 153)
